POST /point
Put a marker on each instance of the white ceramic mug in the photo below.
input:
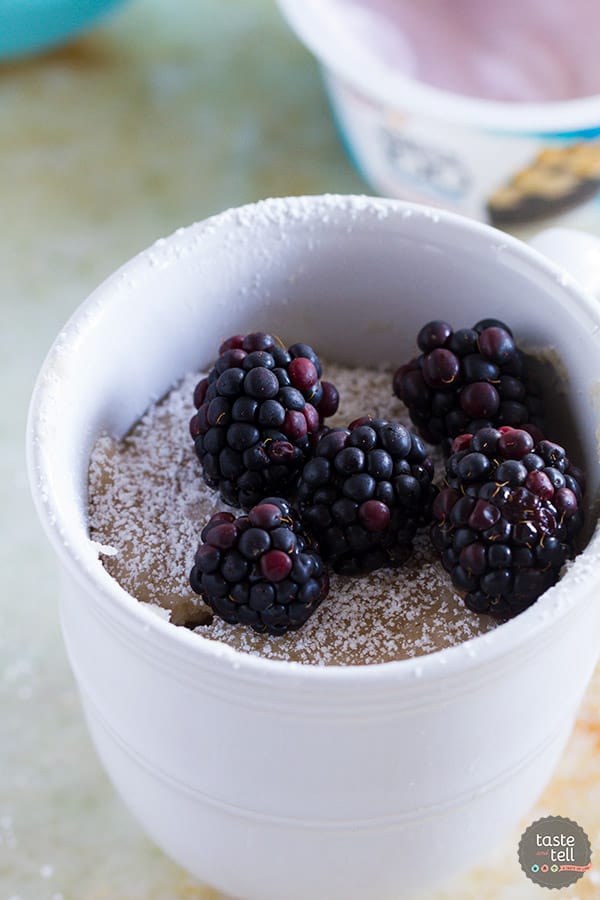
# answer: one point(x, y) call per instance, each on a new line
point(269, 779)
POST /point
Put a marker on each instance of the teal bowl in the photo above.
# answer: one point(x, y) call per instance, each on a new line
point(28, 26)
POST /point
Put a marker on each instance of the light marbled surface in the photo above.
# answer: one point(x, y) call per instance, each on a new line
point(151, 122)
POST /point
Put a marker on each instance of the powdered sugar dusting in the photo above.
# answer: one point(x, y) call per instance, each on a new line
point(148, 504)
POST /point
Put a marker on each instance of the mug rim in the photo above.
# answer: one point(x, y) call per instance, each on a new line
point(195, 649)
point(388, 87)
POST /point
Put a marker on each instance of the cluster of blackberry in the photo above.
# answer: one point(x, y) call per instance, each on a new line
point(504, 523)
point(509, 513)
point(257, 410)
point(365, 492)
point(259, 429)
point(260, 569)
point(467, 379)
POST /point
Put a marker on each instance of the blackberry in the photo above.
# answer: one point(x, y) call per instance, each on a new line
point(468, 379)
point(364, 494)
point(261, 569)
point(256, 412)
point(507, 519)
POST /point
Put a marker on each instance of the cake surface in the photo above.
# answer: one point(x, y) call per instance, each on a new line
point(148, 504)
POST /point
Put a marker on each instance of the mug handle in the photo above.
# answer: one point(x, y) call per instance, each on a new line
point(577, 252)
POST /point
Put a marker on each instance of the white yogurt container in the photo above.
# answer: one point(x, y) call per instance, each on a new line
point(507, 162)
point(269, 779)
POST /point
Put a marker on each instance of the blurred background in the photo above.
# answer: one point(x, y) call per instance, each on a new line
point(162, 114)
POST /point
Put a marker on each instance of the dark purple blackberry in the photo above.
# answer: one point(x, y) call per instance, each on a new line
point(256, 412)
point(261, 569)
point(507, 520)
point(364, 494)
point(467, 379)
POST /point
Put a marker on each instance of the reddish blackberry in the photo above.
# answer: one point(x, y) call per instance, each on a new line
point(365, 492)
point(507, 520)
point(256, 412)
point(261, 569)
point(468, 379)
